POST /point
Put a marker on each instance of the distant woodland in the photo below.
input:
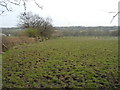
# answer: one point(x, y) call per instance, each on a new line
point(72, 31)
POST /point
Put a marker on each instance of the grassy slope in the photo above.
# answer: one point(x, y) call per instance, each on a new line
point(66, 62)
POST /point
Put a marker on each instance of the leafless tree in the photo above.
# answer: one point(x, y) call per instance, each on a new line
point(30, 21)
point(44, 26)
point(6, 5)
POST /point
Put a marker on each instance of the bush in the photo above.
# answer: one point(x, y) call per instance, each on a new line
point(31, 32)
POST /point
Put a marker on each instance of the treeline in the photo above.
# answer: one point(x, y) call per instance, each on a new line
point(60, 33)
point(88, 28)
point(86, 31)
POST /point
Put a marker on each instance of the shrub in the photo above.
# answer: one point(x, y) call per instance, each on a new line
point(31, 32)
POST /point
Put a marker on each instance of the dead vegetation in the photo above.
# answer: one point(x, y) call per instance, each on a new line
point(9, 42)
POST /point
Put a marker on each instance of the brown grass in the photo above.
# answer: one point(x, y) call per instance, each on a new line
point(9, 42)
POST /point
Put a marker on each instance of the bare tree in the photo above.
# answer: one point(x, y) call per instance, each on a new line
point(30, 21)
point(44, 26)
point(6, 5)
point(47, 28)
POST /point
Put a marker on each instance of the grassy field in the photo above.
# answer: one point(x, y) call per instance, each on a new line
point(71, 62)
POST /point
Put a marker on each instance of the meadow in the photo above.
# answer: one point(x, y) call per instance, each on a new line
point(67, 62)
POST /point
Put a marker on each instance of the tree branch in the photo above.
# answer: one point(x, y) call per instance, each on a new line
point(38, 4)
point(24, 4)
point(5, 3)
point(2, 12)
point(114, 16)
point(15, 2)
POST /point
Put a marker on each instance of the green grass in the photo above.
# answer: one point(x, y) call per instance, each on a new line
point(71, 62)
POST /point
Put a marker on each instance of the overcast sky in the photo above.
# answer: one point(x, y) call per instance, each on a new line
point(68, 12)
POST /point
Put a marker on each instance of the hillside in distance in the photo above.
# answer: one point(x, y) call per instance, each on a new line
point(72, 31)
point(71, 28)
point(87, 28)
